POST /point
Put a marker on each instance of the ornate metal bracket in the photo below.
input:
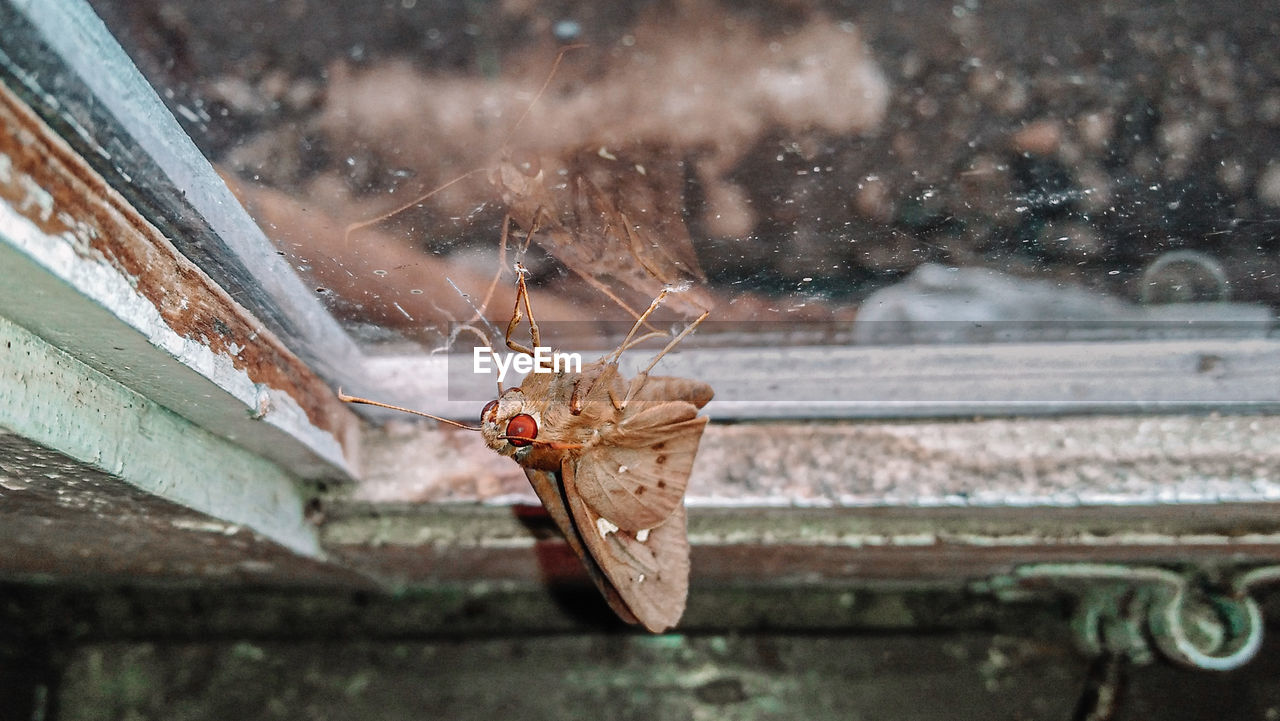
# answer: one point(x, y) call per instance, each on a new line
point(1136, 611)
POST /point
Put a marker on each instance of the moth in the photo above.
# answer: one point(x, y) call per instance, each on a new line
point(610, 460)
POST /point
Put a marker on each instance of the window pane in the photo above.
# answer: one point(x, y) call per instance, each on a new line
point(1091, 174)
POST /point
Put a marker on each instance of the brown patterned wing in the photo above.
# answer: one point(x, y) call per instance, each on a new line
point(649, 570)
point(551, 493)
point(636, 472)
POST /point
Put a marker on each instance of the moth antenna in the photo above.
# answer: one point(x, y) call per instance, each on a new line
point(365, 401)
point(346, 237)
point(557, 445)
point(538, 96)
point(466, 328)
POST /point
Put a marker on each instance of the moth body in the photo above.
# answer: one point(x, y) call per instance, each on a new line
point(611, 464)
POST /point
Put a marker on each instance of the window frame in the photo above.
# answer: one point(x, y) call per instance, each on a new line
point(109, 116)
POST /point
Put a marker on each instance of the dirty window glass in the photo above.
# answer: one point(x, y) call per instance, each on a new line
point(816, 173)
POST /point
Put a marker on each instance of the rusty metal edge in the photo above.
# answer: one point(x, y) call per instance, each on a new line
point(69, 68)
point(66, 220)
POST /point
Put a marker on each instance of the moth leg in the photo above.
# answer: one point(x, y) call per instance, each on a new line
point(613, 397)
point(536, 225)
point(346, 236)
point(640, 321)
point(582, 388)
point(604, 289)
point(638, 382)
point(632, 389)
point(675, 341)
point(522, 295)
point(637, 341)
point(522, 290)
point(534, 333)
point(502, 263)
point(577, 399)
point(635, 242)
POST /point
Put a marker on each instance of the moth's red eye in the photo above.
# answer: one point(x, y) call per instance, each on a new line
point(489, 409)
point(521, 430)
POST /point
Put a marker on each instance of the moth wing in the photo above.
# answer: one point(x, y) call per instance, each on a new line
point(651, 576)
point(671, 388)
point(551, 492)
point(635, 474)
point(649, 206)
point(620, 224)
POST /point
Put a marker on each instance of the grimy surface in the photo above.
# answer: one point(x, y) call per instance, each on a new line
point(959, 675)
point(134, 607)
point(117, 604)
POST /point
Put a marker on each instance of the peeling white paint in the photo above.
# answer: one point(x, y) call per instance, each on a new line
point(35, 197)
point(64, 256)
point(205, 526)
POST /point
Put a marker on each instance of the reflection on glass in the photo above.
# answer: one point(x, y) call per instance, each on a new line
point(885, 171)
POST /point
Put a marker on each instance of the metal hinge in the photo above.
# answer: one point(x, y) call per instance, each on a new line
point(1135, 612)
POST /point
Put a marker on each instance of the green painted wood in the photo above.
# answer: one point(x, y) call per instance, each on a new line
point(59, 402)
